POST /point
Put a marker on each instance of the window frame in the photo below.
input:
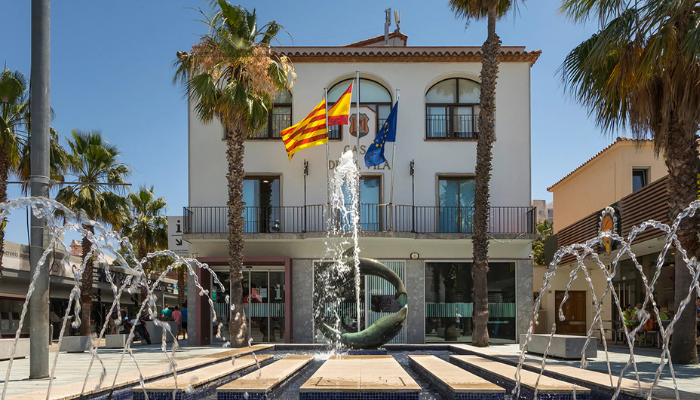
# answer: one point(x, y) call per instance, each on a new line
point(450, 113)
point(268, 125)
point(645, 177)
point(341, 128)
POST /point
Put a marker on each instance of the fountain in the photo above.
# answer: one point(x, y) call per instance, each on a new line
point(342, 265)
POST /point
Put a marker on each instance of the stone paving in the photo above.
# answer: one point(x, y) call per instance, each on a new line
point(71, 368)
point(687, 376)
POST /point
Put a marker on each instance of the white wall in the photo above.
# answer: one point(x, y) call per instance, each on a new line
point(510, 185)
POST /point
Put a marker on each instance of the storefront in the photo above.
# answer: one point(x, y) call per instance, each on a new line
point(449, 301)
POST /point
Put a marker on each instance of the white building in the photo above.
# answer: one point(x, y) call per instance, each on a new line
point(425, 235)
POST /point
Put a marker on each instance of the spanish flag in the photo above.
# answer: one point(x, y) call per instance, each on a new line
point(312, 130)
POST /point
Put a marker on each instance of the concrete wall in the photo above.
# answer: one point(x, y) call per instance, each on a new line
point(302, 293)
point(510, 185)
point(604, 180)
point(523, 296)
point(415, 286)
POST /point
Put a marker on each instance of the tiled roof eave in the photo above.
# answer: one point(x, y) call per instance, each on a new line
point(402, 54)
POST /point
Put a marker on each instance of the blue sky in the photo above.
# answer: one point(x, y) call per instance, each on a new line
point(111, 69)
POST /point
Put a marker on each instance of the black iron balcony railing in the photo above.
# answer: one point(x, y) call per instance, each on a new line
point(373, 218)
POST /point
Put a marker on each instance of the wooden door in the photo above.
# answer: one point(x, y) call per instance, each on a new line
point(574, 312)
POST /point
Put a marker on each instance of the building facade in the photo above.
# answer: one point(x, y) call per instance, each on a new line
point(16, 278)
point(422, 229)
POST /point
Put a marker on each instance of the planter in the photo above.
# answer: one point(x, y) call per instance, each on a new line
point(156, 332)
point(6, 348)
point(76, 344)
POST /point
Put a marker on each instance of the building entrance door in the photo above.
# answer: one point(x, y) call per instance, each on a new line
point(574, 312)
point(263, 301)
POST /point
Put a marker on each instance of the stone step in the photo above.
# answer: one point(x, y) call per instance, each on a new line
point(360, 377)
point(454, 382)
point(504, 375)
point(258, 384)
point(201, 381)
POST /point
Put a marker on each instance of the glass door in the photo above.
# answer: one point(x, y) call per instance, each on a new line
point(456, 202)
point(262, 205)
point(264, 304)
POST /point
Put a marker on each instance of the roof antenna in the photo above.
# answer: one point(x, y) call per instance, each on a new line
point(387, 24)
point(397, 19)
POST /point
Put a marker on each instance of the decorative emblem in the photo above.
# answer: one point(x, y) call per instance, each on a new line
point(364, 124)
point(609, 221)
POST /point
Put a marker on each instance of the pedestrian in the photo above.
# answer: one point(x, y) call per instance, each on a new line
point(167, 313)
point(177, 317)
point(184, 321)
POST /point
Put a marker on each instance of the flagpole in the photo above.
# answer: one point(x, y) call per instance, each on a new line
point(357, 126)
point(328, 157)
point(393, 166)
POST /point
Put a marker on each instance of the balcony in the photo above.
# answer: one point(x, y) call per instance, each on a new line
point(504, 221)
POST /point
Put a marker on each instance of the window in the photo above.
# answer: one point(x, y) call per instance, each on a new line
point(261, 196)
point(639, 178)
point(456, 202)
point(370, 200)
point(278, 119)
point(449, 301)
point(452, 109)
point(372, 95)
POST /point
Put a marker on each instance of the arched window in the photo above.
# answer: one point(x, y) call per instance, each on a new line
point(278, 119)
point(372, 95)
point(452, 109)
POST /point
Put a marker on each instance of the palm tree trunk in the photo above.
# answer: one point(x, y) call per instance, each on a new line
point(181, 286)
point(681, 160)
point(4, 172)
point(480, 239)
point(142, 252)
point(86, 286)
point(238, 328)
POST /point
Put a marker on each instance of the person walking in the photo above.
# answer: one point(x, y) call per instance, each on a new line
point(167, 313)
point(184, 321)
point(177, 317)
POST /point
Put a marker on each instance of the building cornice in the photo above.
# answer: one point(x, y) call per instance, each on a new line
point(403, 54)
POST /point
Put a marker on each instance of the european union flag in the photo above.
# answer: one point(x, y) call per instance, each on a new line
point(375, 153)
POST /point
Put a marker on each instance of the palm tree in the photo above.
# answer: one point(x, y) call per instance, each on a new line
point(148, 226)
point(640, 74)
point(94, 164)
point(14, 106)
point(15, 126)
point(232, 75)
point(491, 10)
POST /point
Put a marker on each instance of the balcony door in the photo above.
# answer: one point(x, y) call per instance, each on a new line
point(262, 204)
point(456, 204)
point(370, 200)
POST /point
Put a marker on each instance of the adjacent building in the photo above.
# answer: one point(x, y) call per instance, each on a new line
point(16, 278)
point(618, 188)
point(423, 231)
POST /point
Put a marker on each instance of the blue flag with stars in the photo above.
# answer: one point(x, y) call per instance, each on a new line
point(375, 153)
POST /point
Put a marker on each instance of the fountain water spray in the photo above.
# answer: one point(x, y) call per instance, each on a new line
point(587, 252)
point(343, 218)
point(101, 239)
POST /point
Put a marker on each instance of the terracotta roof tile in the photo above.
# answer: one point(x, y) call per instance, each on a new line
point(378, 39)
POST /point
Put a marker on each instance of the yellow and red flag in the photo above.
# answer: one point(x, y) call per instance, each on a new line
point(312, 131)
point(338, 114)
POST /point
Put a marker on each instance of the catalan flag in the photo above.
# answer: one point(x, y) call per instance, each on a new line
point(312, 131)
